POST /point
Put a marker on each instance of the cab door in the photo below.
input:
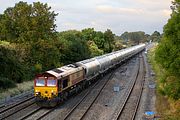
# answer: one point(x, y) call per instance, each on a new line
point(65, 83)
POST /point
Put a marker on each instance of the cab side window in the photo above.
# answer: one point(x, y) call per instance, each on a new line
point(65, 83)
point(59, 84)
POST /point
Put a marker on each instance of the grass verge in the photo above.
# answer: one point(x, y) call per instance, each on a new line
point(167, 108)
point(21, 87)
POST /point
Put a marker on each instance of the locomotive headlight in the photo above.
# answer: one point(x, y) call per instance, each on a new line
point(53, 92)
point(37, 92)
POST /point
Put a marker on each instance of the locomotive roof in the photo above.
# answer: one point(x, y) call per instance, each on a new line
point(64, 70)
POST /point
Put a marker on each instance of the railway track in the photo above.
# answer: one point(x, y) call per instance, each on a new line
point(81, 108)
point(128, 108)
point(35, 113)
point(10, 110)
point(40, 113)
point(69, 115)
point(44, 112)
point(89, 98)
point(10, 101)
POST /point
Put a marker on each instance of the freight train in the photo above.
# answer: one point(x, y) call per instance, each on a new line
point(54, 86)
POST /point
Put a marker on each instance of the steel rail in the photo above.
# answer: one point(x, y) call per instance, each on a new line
point(11, 110)
point(122, 107)
point(89, 91)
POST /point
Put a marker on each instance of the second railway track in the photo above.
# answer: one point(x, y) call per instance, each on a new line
point(10, 110)
point(88, 103)
point(41, 113)
point(129, 106)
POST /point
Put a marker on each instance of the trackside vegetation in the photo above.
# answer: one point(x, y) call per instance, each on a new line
point(165, 59)
point(168, 54)
point(166, 107)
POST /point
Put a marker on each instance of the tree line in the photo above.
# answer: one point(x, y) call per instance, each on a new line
point(133, 38)
point(30, 44)
point(168, 54)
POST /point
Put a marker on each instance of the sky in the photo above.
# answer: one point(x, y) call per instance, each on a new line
point(117, 15)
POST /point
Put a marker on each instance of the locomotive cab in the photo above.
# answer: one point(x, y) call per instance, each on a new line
point(45, 90)
point(54, 86)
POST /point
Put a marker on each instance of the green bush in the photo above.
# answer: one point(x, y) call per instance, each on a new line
point(168, 54)
point(10, 66)
point(6, 83)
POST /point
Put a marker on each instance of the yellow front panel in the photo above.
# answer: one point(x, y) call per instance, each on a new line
point(46, 91)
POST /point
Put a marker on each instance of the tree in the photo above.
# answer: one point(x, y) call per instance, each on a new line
point(109, 41)
point(125, 36)
point(137, 37)
point(118, 46)
point(26, 23)
point(75, 48)
point(44, 53)
point(156, 36)
point(134, 37)
point(168, 52)
point(99, 40)
point(147, 37)
point(169, 49)
point(88, 34)
point(30, 29)
point(10, 66)
point(119, 43)
point(94, 49)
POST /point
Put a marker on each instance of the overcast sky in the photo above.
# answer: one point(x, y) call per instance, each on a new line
point(117, 15)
